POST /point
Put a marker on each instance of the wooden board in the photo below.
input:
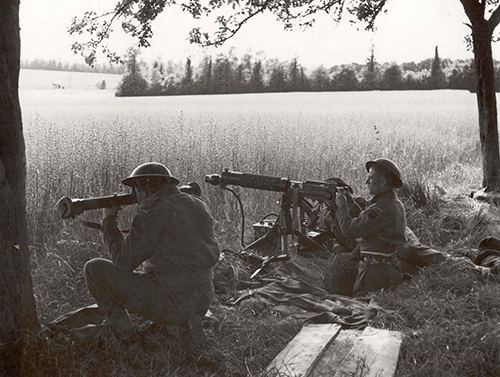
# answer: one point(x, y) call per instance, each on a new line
point(371, 353)
point(336, 353)
point(299, 357)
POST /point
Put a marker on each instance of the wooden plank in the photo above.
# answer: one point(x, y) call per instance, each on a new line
point(336, 353)
point(374, 353)
point(299, 357)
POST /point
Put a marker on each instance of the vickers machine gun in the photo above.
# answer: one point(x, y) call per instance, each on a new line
point(68, 207)
point(295, 206)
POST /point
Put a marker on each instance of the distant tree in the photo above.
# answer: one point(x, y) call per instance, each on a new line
point(392, 79)
point(223, 75)
point(370, 75)
point(157, 78)
point(187, 80)
point(410, 66)
point(293, 75)
point(345, 80)
point(171, 85)
point(462, 77)
point(410, 82)
point(416, 80)
point(256, 84)
point(320, 81)
point(304, 83)
point(240, 84)
point(277, 81)
point(437, 79)
point(205, 80)
point(132, 84)
point(243, 74)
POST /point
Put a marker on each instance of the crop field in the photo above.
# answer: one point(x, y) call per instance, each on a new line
point(82, 143)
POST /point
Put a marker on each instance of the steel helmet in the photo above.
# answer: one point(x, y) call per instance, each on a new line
point(390, 167)
point(150, 170)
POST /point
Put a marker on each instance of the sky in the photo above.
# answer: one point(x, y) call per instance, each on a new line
point(407, 32)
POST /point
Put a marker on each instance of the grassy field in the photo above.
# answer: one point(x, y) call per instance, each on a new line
point(81, 143)
point(36, 79)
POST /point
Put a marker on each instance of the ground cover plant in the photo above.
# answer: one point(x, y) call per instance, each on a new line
point(79, 145)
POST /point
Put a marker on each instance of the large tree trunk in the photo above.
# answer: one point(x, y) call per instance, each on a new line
point(487, 103)
point(17, 305)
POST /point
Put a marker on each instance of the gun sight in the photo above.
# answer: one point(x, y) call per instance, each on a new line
point(213, 179)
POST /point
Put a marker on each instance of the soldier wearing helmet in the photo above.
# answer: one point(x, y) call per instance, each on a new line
point(379, 228)
point(172, 238)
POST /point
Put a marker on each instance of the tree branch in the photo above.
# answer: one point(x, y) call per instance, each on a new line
point(223, 37)
point(494, 19)
point(473, 10)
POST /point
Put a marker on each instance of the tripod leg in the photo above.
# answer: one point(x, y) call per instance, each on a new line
point(260, 240)
point(285, 222)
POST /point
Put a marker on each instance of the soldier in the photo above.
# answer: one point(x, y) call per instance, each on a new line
point(172, 237)
point(379, 228)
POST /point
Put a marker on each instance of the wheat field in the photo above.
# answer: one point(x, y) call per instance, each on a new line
point(83, 143)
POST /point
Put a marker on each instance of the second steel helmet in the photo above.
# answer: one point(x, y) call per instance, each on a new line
point(150, 170)
point(390, 167)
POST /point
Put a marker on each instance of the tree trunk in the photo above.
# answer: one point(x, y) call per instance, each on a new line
point(17, 304)
point(487, 103)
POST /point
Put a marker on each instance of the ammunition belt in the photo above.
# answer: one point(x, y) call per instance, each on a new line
point(375, 257)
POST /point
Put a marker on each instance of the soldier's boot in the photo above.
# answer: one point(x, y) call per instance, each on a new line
point(192, 336)
point(198, 339)
point(121, 324)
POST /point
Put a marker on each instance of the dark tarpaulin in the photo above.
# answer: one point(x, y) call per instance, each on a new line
point(292, 296)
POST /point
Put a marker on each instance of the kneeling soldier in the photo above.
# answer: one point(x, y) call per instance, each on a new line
point(172, 237)
point(379, 228)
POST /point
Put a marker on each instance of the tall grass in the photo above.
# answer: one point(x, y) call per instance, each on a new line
point(77, 150)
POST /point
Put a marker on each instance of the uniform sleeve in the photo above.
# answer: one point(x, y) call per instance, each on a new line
point(129, 252)
point(369, 221)
point(112, 236)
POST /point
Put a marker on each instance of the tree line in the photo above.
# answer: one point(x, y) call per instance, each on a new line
point(225, 74)
point(57, 65)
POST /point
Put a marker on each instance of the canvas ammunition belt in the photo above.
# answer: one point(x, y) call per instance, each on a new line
point(374, 257)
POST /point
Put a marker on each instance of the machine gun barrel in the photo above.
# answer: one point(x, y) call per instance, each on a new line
point(315, 190)
point(255, 181)
point(67, 207)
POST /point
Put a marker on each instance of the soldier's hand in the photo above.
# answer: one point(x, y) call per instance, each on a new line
point(341, 197)
point(110, 212)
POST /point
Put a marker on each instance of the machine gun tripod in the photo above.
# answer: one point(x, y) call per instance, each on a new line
point(295, 205)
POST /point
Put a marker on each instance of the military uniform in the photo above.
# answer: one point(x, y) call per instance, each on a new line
point(172, 237)
point(380, 229)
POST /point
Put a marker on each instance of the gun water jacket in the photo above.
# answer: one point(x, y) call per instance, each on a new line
point(172, 237)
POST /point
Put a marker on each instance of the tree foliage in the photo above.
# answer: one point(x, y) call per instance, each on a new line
point(437, 79)
point(227, 74)
point(133, 83)
point(228, 16)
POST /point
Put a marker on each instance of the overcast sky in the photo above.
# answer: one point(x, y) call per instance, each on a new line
point(408, 32)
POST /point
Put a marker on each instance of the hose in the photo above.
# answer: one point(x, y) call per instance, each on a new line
point(242, 216)
point(242, 236)
point(268, 215)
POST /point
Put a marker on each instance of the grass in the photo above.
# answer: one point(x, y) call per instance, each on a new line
point(450, 318)
point(79, 146)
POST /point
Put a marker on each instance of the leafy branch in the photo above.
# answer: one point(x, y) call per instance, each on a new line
point(228, 16)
